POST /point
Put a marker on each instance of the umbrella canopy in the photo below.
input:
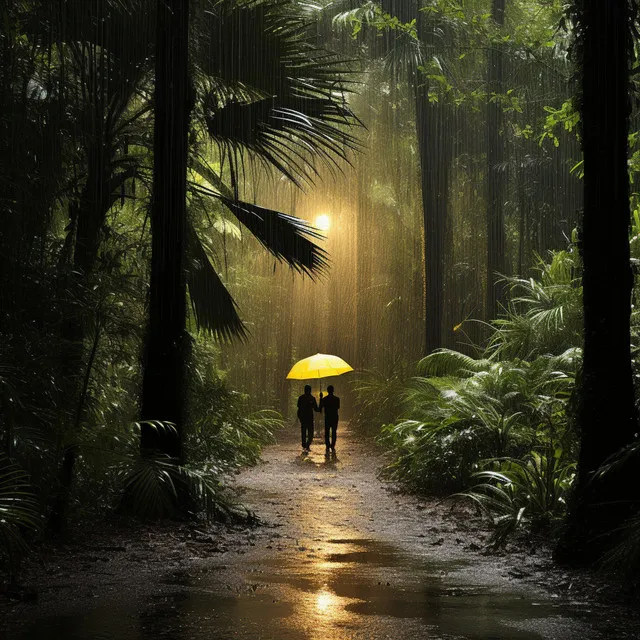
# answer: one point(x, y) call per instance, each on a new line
point(321, 365)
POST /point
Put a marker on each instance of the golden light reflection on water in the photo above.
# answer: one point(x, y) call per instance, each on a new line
point(324, 614)
point(325, 600)
point(328, 617)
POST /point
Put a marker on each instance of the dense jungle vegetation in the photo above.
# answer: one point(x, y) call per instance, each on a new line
point(162, 169)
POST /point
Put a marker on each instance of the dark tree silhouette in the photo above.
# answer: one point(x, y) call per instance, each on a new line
point(435, 151)
point(495, 169)
point(603, 502)
point(435, 158)
point(107, 172)
point(164, 371)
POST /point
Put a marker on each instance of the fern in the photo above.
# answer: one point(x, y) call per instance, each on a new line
point(532, 490)
point(20, 514)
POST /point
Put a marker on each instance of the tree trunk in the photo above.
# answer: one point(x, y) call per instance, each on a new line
point(364, 274)
point(58, 518)
point(164, 369)
point(435, 150)
point(607, 417)
point(495, 171)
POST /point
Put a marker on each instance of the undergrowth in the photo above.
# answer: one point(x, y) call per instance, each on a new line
point(496, 429)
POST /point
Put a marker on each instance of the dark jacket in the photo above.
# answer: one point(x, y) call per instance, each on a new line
point(307, 404)
point(330, 404)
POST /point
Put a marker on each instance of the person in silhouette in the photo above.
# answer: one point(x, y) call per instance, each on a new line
point(307, 404)
point(330, 403)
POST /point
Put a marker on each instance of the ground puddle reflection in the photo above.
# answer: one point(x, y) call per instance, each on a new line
point(366, 566)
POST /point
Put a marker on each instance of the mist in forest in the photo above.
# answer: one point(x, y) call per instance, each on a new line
point(371, 306)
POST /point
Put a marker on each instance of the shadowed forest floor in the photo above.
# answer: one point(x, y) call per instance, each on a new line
point(340, 554)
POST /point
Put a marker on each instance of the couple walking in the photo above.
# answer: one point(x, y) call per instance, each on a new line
point(307, 405)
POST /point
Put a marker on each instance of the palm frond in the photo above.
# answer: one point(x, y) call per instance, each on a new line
point(532, 490)
point(288, 238)
point(355, 16)
point(280, 97)
point(155, 485)
point(446, 362)
point(213, 307)
point(544, 314)
point(19, 509)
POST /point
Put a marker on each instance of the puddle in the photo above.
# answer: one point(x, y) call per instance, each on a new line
point(353, 569)
point(352, 588)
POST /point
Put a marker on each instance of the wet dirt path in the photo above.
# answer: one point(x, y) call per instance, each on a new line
point(340, 555)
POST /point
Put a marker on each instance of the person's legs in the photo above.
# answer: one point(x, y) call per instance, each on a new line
point(334, 435)
point(327, 442)
point(308, 435)
point(303, 433)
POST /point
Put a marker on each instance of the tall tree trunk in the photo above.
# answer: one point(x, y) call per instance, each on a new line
point(495, 170)
point(607, 416)
point(435, 155)
point(364, 274)
point(164, 369)
point(435, 149)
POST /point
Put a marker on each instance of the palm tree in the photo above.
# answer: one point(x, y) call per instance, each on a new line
point(260, 91)
point(264, 94)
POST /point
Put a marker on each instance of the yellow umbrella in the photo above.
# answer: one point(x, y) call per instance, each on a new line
point(321, 365)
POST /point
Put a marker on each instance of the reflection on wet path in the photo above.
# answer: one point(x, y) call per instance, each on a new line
point(338, 558)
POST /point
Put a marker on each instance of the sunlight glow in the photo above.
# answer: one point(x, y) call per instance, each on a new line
point(323, 222)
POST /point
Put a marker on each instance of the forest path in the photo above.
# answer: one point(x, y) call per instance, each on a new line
point(341, 555)
point(351, 557)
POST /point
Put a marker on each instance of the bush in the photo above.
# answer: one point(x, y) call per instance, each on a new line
point(222, 434)
point(500, 422)
point(544, 314)
point(478, 409)
point(379, 396)
point(531, 491)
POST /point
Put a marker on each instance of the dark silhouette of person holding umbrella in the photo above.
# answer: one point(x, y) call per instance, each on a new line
point(307, 404)
point(331, 404)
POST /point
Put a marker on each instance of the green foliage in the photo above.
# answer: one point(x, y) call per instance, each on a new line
point(531, 491)
point(157, 487)
point(477, 409)
point(222, 426)
point(222, 436)
point(430, 457)
point(567, 117)
point(371, 14)
point(20, 512)
point(544, 313)
point(500, 423)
